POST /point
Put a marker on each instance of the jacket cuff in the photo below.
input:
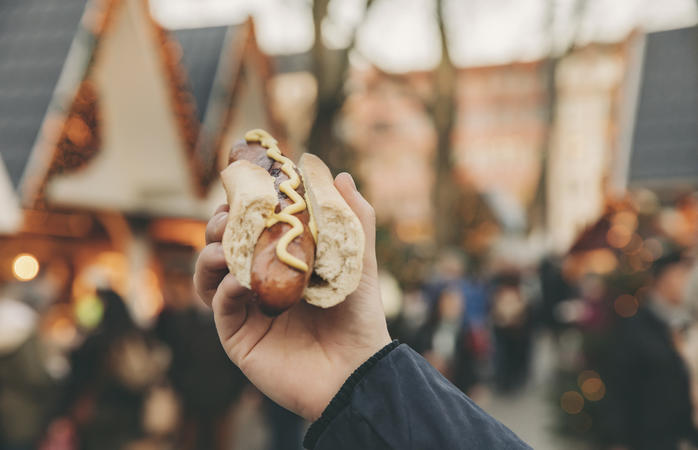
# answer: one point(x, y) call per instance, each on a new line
point(343, 396)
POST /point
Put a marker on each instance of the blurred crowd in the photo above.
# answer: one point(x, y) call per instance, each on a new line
point(621, 307)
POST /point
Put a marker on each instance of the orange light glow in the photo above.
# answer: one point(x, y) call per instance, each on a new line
point(634, 245)
point(619, 236)
point(625, 306)
point(585, 375)
point(152, 300)
point(25, 267)
point(413, 231)
point(187, 232)
point(572, 402)
point(625, 219)
point(601, 261)
point(594, 389)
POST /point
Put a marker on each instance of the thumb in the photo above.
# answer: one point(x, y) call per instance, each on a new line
point(363, 210)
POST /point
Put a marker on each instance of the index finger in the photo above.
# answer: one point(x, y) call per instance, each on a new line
point(216, 225)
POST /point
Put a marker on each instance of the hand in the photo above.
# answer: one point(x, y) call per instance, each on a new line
point(301, 358)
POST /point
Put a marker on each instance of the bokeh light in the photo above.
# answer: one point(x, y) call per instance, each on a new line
point(572, 402)
point(585, 375)
point(594, 389)
point(88, 311)
point(654, 246)
point(601, 261)
point(625, 306)
point(619, 236)
point(25, 267)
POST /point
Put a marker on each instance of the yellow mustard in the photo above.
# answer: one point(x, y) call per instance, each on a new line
point(288, 187)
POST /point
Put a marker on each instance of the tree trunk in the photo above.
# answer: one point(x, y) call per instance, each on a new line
point(446, 189)
point(537, 212)
point(331, 69)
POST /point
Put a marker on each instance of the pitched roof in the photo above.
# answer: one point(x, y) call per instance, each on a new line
point(294, 62)
point(48, 158)
point(201, 51)
point(665, 140)
point(240, 50)
point(35, 36)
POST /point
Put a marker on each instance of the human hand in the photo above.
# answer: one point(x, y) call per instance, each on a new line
point(302, 357)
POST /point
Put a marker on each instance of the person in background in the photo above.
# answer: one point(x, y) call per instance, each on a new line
point(554, 290)
point(648, 394)
point(188, 330)
point(28, 388)
point(111, 375)
point(446, 342)
point(512, 330)
point(450, 274)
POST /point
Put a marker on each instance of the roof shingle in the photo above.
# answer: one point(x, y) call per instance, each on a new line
point(201, 50)
point(665, 141)
point(35, 36)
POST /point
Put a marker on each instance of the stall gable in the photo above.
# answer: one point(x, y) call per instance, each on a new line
point(142, 166)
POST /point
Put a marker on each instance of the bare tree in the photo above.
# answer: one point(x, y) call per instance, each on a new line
point(443, 110)
point(330, 68)
point(537, 212)
point(454, 202)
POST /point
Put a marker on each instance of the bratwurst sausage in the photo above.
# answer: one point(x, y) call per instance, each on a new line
point(278, 278)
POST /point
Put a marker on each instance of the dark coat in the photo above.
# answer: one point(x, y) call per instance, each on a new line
point(396, 400)
point(648, 401)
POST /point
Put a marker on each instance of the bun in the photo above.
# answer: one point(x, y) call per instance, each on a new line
point(340, 240)
point(253, 197)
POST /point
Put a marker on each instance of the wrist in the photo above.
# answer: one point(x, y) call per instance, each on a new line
point(343, 396)
point(341, 370)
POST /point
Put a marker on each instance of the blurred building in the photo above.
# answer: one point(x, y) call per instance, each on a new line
point(499, 140)
point(113, 130)
point(388, 127)
point(501, 128)
point(583, 145)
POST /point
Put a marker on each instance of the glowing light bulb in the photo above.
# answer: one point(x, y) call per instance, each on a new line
point(25, 267)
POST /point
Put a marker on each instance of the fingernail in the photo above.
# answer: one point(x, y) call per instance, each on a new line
point(353, 183)
point(221, 218)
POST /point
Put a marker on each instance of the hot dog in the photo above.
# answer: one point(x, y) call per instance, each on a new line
point(276, 284)
point(290, 234)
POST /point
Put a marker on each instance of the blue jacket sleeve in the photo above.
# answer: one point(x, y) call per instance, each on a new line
point(396, 400)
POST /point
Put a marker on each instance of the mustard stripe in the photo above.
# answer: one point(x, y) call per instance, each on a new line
point(288, 187)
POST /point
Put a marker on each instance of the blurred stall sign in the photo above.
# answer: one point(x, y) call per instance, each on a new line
point(587, 82)
point(665, 132)
point(179, 231)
